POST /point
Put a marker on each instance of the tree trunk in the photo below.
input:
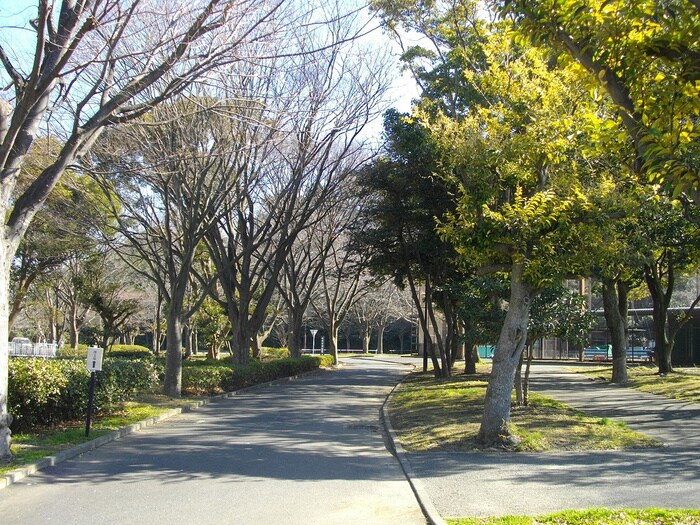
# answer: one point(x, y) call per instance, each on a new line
point(366, 336)
point(511, 342)
point(615, 293)
point(295, 329)
point(661, 299)
point(173, 354)
point(5, 417)
point(526, 380)
point(333, 340)
point(240, 346)
point(74, 332)
point(380, 338)
point(518, 383)
point(158, 330)
point(470, 358)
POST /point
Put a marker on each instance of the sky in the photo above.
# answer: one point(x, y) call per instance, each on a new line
point(14, 34)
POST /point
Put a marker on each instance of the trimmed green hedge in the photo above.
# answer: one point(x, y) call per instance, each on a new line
point(45, 392)
point(211, 377)
point(129, 351)
point(126, 351)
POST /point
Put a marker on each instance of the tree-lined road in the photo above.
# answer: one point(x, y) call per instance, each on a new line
point(309, 451)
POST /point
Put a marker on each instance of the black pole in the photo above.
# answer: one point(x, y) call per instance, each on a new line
point(91, 397)
point(425, 330)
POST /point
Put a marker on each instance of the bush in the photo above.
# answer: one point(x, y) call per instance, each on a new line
point(212, 377)
point(73, 353)
point(205, 379)
point(48, 391)
point(268, 353)
point(129, 351)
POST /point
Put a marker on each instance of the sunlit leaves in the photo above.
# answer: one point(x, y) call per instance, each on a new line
point(646, 55)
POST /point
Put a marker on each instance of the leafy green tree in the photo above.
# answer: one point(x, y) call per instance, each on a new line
point(481, 308)
point(401, 198)
point(212, 326)
point(73, 222)
point(668, 238)
point(522, 202)
point(646, 56)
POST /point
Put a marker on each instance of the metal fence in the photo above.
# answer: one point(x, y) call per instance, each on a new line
point(25, 349)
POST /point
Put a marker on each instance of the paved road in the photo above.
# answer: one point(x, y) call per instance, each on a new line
point(305, 452)
point(489, 484)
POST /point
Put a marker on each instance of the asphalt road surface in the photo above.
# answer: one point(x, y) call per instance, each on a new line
point(310, 451)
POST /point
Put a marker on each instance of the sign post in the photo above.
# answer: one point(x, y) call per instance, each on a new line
point(313, 341)
point(94, 364)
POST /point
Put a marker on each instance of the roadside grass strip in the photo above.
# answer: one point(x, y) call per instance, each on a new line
point(683, 384)
point(593, 517)
point(445, 415)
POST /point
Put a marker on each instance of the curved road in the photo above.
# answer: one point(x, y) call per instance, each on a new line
point(310, 451)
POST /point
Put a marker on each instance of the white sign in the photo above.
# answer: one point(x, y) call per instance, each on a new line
point(94, 359)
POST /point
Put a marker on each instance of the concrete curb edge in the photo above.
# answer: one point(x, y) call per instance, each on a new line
point(426, 504)
point(15, 475)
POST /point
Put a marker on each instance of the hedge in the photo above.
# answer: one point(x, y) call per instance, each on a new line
point(127, 351)
point(208, 377)
point(46, 392)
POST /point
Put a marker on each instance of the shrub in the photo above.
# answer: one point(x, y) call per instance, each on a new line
point(49, 391)
point(129, 351)
point(37, 388)
point(73, 353)
point(205, 379)
point(268, 353)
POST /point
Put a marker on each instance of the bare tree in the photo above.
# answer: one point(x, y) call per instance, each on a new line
point(382, 304)
point(96, 63)
point(323, 96)
point(300, 276)
point(343, 275)
point(175, 172)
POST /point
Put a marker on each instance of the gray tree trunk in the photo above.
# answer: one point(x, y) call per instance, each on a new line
point(5, 417)
point(173, 354)
point(295, 330)
point(494, 428)
point(615, 293)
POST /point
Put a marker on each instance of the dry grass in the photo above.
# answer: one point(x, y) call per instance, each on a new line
point(445, 416)
point(683, 384)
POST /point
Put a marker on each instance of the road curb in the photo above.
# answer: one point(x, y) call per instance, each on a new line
point(426, 504)
point(24, 471)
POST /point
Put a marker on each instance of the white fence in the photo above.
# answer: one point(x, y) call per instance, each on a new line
point(25, 349)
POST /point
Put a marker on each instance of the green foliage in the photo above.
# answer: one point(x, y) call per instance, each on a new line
point(206, 379)
point(129, 351)
point(560, 312)
point(268, 353)
point(402, 198)
point(73, 353)
point(644, 55)
point(49, 391)
point(214, 377)
point(592, 517)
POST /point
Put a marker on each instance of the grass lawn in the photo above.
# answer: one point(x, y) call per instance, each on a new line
point(593, 517)
point(31, 447)
point(445, 416)
point(682, 384)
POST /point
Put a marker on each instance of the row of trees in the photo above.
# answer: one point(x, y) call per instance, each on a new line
point(552, 140)
point(218, 139)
